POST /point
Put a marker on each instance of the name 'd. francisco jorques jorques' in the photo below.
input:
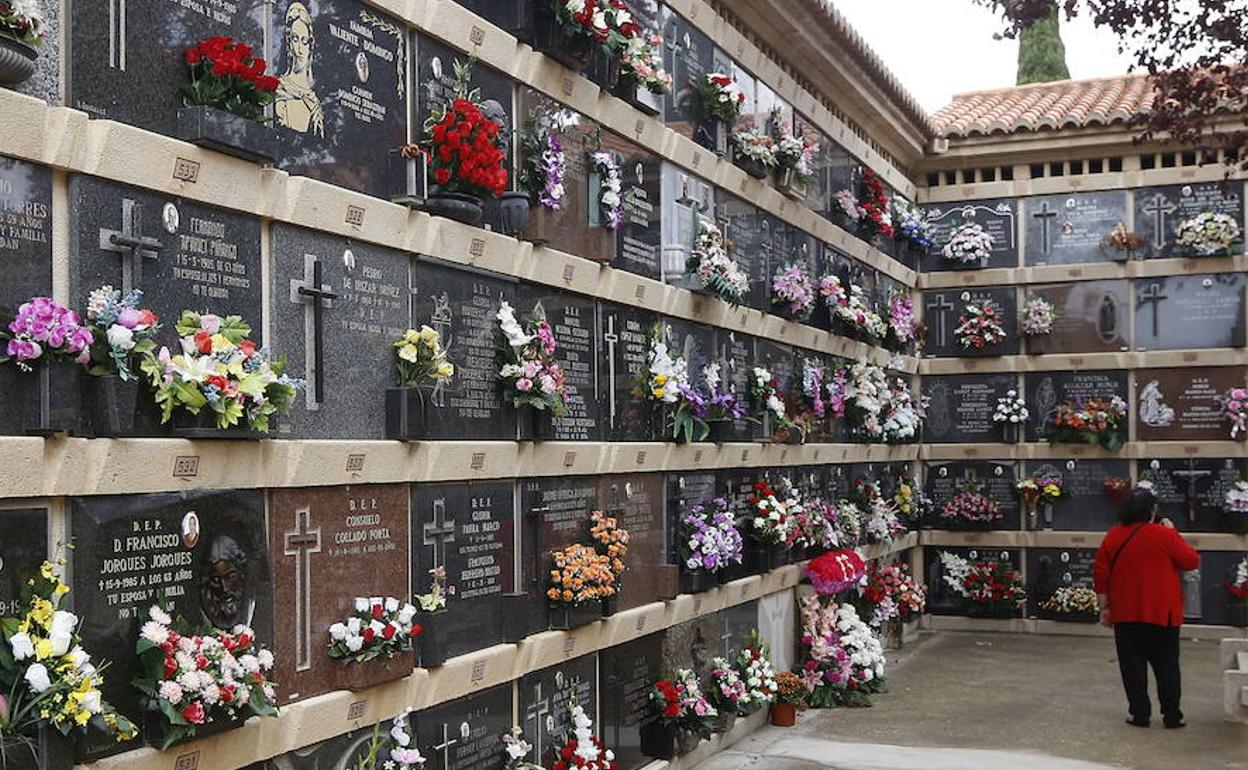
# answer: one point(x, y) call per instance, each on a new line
point(147, 562)
point(362, 531)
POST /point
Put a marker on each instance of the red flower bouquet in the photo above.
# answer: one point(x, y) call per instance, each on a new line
point(225, 75)
point(877, 217)
point(835, 571)
point(464, 153)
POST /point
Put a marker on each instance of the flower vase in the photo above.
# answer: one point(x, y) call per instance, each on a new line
point(407, 414)
point(1009, 432)
point(1033, 517)
point(1238, 612)
point(431, 642)
point(47, 749)
point(183, 424)
point(543, 224)
point(513, 209)
point(534, 424)
point(724, 721)
point(698, 580)
point(56, 410)
point(226, 132)
point(789, 184)
point(564, 617)
point(783, 714)
point(458, 207)
point(637, 95)
point(686, 742)
point(752, 166)
point(353, 676)
point(17, 61)
point(605, 70)
point(658, 740)
point(111, 405)
point(713, 135)
point(721, 431)
point(1047, 518)
point(609, 606)
point(156, 729)
point(515, 624)
point(573, 51)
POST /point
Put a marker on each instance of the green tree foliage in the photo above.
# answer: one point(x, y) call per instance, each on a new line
point(1041, 53)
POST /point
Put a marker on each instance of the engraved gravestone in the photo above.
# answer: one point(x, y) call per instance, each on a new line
point(623, 366)
point(1084, 506)
point(23, 548)
point(818, 188)
point(1159, 211)
point(1045, 391)
point(842, 171)
point(998, 217)
point(1090, 317)
point(689, 56)
point(628, 671)
point(555, 513)
point(546, 700)
point(465, 734)
point(468, 530)
point(995, 480)
point(945, 310)
point(1192, 491)
point(736, 361)
point(204, 551)
point(692, 644)
point(636, 501)
point(319, 540)
point(572, 318)
point(695, 342)
point(338, 306)
point(748, 231)
point(340, 111)
point(126, 60)
point(1217, 569)
point(1068, 229)
point(792, 247)
point(683, 490)
point(343, 751)
point(942, 599)
point(961, 406)
point(1189, 311)
point(25, 268)
point(685, 200)
point(1182, 404)
point(1049, 569)
point(461, 304)
point(639, 239)
point(779, 360)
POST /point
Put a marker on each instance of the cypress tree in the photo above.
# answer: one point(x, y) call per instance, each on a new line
point(1041, 53)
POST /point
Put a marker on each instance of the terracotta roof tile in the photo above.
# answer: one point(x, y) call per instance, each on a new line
point(1045, 106)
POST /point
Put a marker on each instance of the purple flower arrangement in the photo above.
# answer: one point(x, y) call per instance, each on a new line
point(794, 288)
point(721, 403)
point(838, 392)
point(553, 165)
point(813, 375)
point(710, 540)
point(45, 328)
point(902, 326)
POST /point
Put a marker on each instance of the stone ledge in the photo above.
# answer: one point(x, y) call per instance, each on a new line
point(1089, 271)
point(1133, 450)
point(1201, 541)
point(1139, 359)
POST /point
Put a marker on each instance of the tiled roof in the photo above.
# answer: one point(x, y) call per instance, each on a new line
point(1040, 106)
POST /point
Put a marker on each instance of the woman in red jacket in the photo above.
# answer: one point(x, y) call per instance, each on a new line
point(1138, 585)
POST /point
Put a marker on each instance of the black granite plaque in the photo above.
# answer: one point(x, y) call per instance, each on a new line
point(462, 305)
point(749, 231)
point(1084, 505)
point(998, 217)
point(780, 361)
point(546, 700)
point(555, 512)
point(736, 361)
point(1070, 228)
point(466, 733)
point(944, 310)
point(23, 548)
point(341, 751)
point(623, 349)
point(941, 598)
point(127, 61)
point(689, 56)
point(1160, 210)
point(995, 480)
point(650, 572)
point(1217, 569)
point(204, 551)
point(694, 342)
point(628, 671)
point(961, 406)
point(1049, 569)
point(360, 294)
point(341, 108)
point(572, 317)
point(193, 257)
point(843, 169)
point(1044, 391)
point(25, 267)
point(1189, 311)
point(685, 199)
point(469, 530)
point(639, 239)
point(1192, 492)
point(1090, 317)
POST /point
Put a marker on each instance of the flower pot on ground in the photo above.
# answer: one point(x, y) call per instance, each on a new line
point(564, 617)
point(724, 722)
point(226, 132)
point(17, 61)
point(431, 643)
point(353, 676)
point(513, 210)
point(658, 740)
point(698, 580)
point(570, 45)
point(783, 714)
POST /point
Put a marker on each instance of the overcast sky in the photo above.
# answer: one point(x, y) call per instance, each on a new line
point(938, 48)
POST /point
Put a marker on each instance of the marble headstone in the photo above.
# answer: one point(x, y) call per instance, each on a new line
point(1192, 491)
point(23, 549)
point(1189, 311)
point(944, 310)
point(1084, 505)
point(466, 733)
point(961, 406)
point(1090, 317)
point(1160, 210)
point(546, 700)
point(999, 218)
point(623, 351)
point(993, 479)
point(573, 319)
point(1069, 228)
point(628, 671)
point(636, 500)
point(1182, 404)
point(1044, 391)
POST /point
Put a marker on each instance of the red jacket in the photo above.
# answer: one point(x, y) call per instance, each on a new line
point(1144, 586)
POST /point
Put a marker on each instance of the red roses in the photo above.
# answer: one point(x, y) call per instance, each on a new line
point(226, 58)
point(464, 152)
point(878, 219)
point(835, 571)
point(671, 698)
point(224, 74)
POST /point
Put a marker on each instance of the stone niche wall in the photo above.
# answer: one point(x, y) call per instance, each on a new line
point(283, 533)
point(1155, 324)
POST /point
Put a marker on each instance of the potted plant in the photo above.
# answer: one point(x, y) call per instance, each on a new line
point(642, 78)
point(753, 152)
point(51, 346)
point(912, 227)
point(49, 686)
point(753, 664)
point(583, 577)
point(684, 717)
point(1011, 414)
point(709, 267)
point(432, 638)
point(709, 543)
point(1234, 403)
point(374, 643)
point(766, 528)
point(465, 151)
point(606, 205)
point(1097, 421)
point(423, 368)
point(835, 572)
point(233, 686)
point(795, 160)
point(1116, 489)
point(222, 385)
point(903, 327)
point(790, 698)
point(122, 333)
point(793, 292)
point(224, 100)
point(720, 99)
point(726, 691)
point(843, 658)
point(21, 33)
point(571, 31)
point(1121, 245)
point(531, 377)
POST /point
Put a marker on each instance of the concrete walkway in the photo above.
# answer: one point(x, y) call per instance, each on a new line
point(962, 701)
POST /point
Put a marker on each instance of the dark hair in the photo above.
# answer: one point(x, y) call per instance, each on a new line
point(1139, 506)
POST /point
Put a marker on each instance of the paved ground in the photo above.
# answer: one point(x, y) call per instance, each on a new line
point(963, 701)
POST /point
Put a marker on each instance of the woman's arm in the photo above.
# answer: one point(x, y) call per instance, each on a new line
point(1182, 555)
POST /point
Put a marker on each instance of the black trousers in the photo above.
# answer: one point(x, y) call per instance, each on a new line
point(1141, 645)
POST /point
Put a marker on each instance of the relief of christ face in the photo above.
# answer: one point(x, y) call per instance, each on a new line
point(223, 584)
point(299, 44)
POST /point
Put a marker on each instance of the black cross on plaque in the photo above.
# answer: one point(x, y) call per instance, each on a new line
point(1159, 207)
point(726, 640)
point(1192, 475)
point(538, 712)
point(944, 306)
point(444, 748)
point(1045, 215)
point(611, 338)
point(302, 543)
point(315, 297)
point(129, 242)
point(1152, 296)
point(439, 532)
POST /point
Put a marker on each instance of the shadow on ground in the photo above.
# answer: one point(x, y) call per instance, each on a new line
point(1005, 702)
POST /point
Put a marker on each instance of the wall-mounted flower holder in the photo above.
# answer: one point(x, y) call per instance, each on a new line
point(413, 186)
point(111, 405)
point(564, 617)
point(54, 399)
point(574, 51)
point(697, 581)
point(183, 424)
point(407, 414)
point(641, 98)
point(17, 61)
point(431, 642)
point(226, 132)
point(353, 676)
